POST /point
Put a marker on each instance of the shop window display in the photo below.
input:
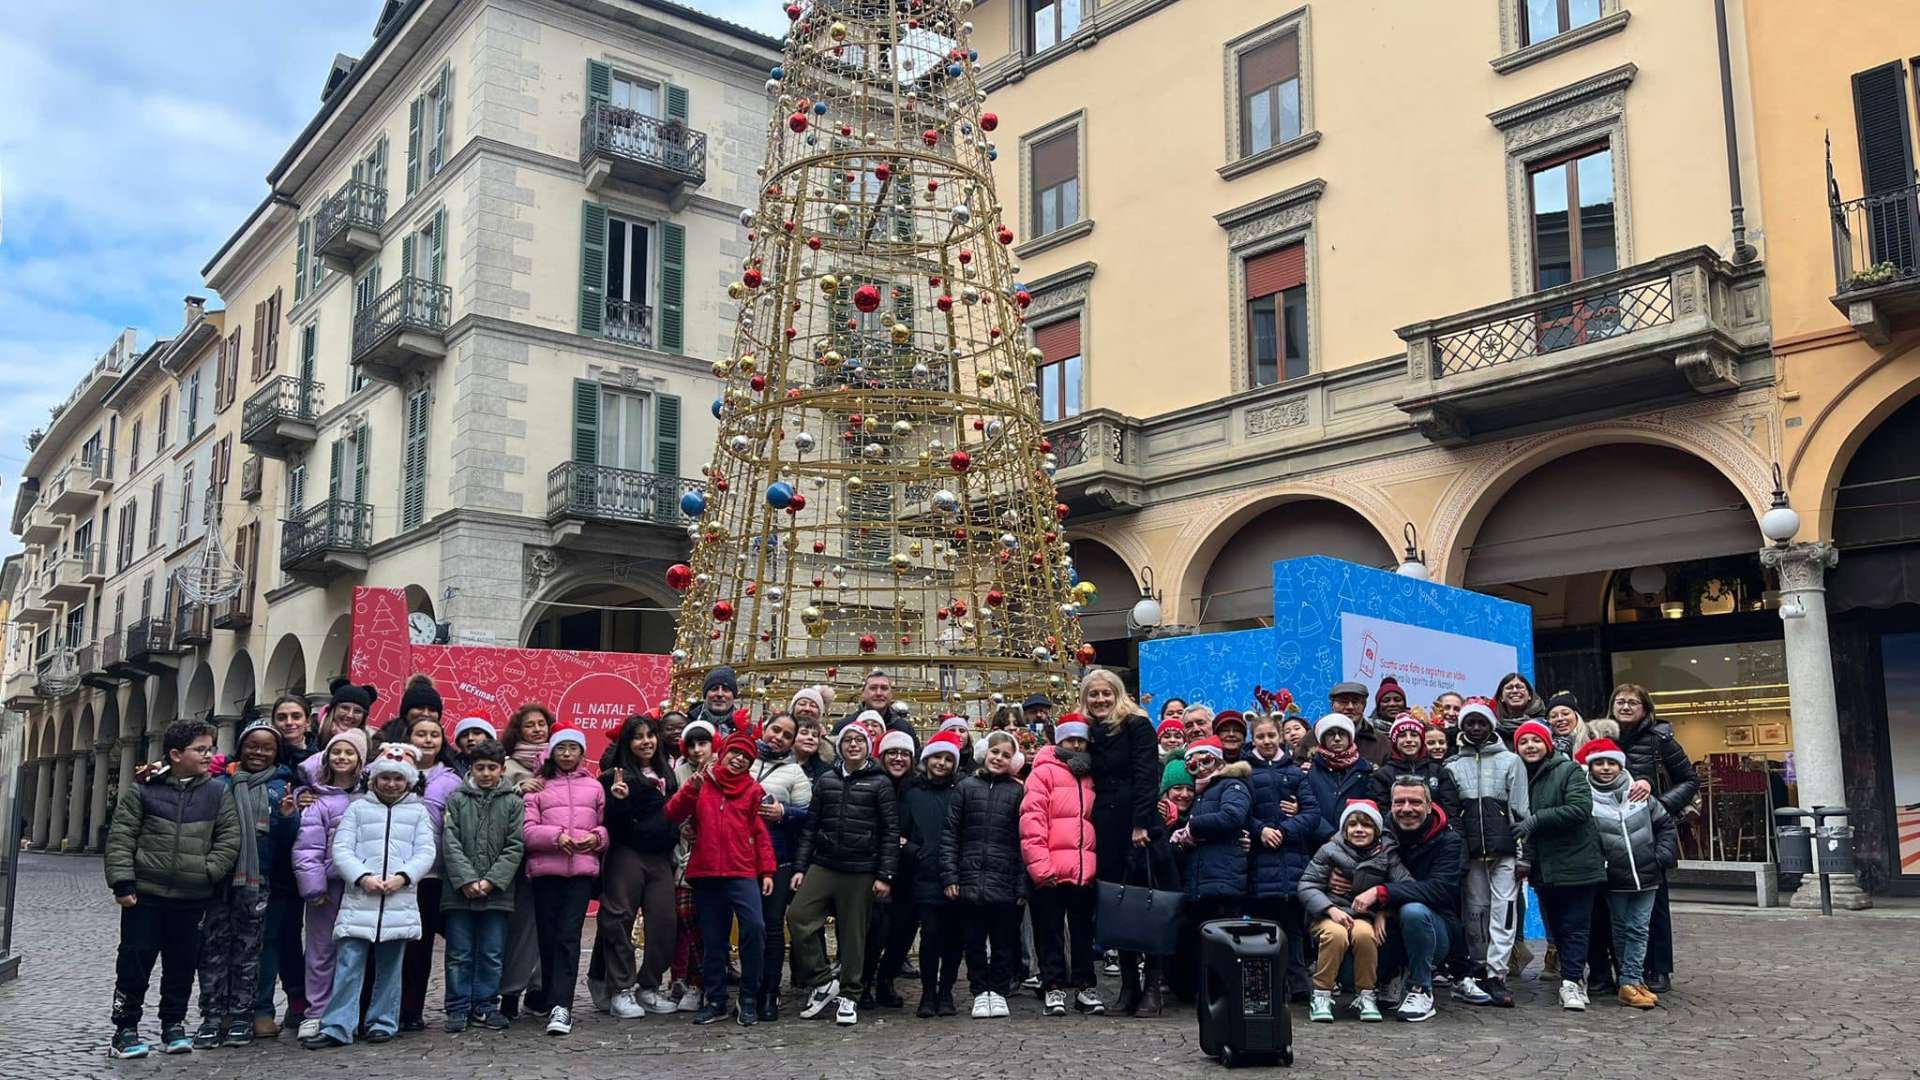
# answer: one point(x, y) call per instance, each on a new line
point(1900, 665)
point(1685, 590)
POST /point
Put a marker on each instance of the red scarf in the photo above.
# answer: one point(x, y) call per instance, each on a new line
point(733, 786)
point(1342, 760)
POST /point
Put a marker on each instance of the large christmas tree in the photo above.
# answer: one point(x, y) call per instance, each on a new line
point(881, 491)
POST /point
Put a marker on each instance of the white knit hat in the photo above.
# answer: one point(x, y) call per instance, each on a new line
point(1070, 729)
point(566, 735)
point(1366, 808)
point(955, 723)
point(896, 740)
point(1333, 721)
point(474, 723)
point(695, 727)
point(1477, 708)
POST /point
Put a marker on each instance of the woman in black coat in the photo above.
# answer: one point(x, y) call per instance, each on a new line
point(1126, 790)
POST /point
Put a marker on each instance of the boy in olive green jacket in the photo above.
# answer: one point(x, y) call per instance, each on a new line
point(482, 844)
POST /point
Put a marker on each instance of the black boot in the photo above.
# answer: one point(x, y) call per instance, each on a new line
point(770, 1007)
point(929, 1002)
point(886, 996)
point(1128, 1002)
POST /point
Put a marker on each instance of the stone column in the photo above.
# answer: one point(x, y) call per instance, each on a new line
point(1816, 717)
point(226, 729)
point(129, 758)
point(42, 802)
point(76, 838)
point(97, 814)
point(57, 824)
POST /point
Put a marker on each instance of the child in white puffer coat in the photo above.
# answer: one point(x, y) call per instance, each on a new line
point(382, 848)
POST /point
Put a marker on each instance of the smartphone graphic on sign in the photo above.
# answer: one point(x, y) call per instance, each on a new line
point(1369, 655)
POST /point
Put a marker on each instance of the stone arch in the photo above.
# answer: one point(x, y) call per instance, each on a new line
point(63, 733)
point(1814, 471)
point(653, 630)
point(108, 726)
point(85, 735)
point(43, 736)
point(1476, 491)
point(287, 667)
point(1118, 584)
point(418, 599)
point(331, 660)
point(163, 708)
point(198, 703)
point(1210, 529)
point(135, 721)
point(239, 689)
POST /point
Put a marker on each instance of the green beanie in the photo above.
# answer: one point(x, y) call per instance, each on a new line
point(1175, 775)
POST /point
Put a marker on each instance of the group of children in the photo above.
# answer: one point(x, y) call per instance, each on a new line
point(330, 855)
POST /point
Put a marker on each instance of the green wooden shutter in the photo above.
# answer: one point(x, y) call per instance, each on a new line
point(586, 441)
point(406, 261)
point(443, 120)
point(666, 453)
point(296, 488)
point(673, 287)
point(413, 144)
point(599, 83)
point(679, 105)
point(300, 261)
point(363, 447)
point(379, 177)
point(333, 469)
point(438, 269)
point(593, 269)
point(413, 493)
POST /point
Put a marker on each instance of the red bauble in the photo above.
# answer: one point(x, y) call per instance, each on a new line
point(1005, 235)
point(1085, 655)
point(752, 280)
point(1060, 510)
point(797, 504)
point(961, 461)
point(882, 171)
point(930, 137)
point(966, 256)
point(944, 303)
point(679, 577)
point(867, 298)
point(1023, 297)
point(942, 614)
point(960, 608)
point(818, 547)
point(722, 611)
point(995, 598)
point(989, 121)
point(798, 122)
point(793, 12)
point(867, 643)
point(758, 382)
point(813, 242)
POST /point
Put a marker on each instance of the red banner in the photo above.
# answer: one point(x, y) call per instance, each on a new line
point(593, 691)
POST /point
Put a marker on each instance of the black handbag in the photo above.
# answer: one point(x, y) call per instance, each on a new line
point(1139, 918)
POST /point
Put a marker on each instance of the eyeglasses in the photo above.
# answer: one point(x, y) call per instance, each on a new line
point(203, 751)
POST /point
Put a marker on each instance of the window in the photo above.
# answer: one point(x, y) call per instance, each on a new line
point(1059, 371)
point(76, 626)
point(1050, 22)
point(160, 425)
point(1269, 94)
point(90, 450)
point(301, 246)
point(372, 169)
point(153, 514)
point(1277, 316)
point(623, 430)
point(428, 126)
point(635, 94)
point(129, 522)
point(1573, 217)
point(629, 281)
point(83, 543)
point(186, 502)
point(133, 451)
point(1056, 182)
point(1543, 19)
point(440, 106)
point(424, 254)
point(190, 404)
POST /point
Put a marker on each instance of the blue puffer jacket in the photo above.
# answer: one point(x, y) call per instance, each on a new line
point(1331, 790)
point(1220, 815)
point(1276, 871)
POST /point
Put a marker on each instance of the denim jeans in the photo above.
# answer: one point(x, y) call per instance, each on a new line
point(350, 967)
point(717, 903)
point(1417, 942)
point(1568, 913)
point(281, 956)
point(1630, 912)
point(476, 952)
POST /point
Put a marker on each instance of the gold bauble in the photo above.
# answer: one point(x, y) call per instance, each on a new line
point(829, 284)
point(720, 369)
point(831, 358)
point(737, 290)
point(747, 362)
point(984, 378)
point(838, 31)
point(854, 483)
point(869, 422)
point(1036, 357)
point(902, 333)
point(914, 549)
point(901, 563)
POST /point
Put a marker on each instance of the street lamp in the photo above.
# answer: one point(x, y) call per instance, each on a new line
point(1780, 522)
point(1146, 610)
point(1414, 565)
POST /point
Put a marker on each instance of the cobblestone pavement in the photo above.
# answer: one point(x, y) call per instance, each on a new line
point(1760, 995)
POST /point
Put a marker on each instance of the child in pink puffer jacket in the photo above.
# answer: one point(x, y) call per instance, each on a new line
point(1056, 840)
point(565, 835)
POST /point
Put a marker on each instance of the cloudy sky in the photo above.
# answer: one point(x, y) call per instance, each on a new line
point(134, 138)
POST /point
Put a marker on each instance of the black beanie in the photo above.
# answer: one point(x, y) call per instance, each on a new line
point(720, 676)
point(421, 695)
point(1564, 697)
point(346, 693)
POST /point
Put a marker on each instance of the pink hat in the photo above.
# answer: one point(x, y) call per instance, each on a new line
point(1410, 722)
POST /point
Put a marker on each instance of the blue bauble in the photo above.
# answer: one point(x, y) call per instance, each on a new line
point(718, 404)
point(819, 108)
point(778, 72)
point(693, 504)
point(973, 56)
point(993, 153)
point(779, 494)
point(954, 71)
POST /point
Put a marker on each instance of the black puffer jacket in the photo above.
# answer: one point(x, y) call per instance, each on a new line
point(1654, 755)
point(639, 821)
point(1441, 788)
point(855, 826)
point(923, 817)
point(980, 847)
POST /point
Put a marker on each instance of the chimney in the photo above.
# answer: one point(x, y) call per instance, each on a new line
point(196, 307)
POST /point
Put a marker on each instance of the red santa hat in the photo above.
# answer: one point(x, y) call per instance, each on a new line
point(1601, 749)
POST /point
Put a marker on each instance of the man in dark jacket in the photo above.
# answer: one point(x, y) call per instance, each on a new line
point(175, 838)
point(717, 695)
point(847, 858)
point(1422, 930)
point(1660, 768)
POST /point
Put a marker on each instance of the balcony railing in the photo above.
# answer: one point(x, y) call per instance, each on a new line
point(407, 322)
point(1876, 259)
point(72, 490)
point(113, 650)
point(237, 613)
point(335, 526)
point(282, 414)
point(195, 623)
point(69, 578)
point(1604, 313)
point(604, 493)
point(347, 226)
point(151, 637)
point(1096, 466)
point(646, 149)
point(629, 323)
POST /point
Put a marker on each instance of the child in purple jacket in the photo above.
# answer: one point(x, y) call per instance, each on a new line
point(344, 758)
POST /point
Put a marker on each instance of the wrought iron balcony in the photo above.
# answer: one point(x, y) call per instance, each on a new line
point(403, 329)
point(623, 145)
point(237, 613)
point(629, 323)
point(1646, 333)
point(67, 578)
point(1094, 458)
point(151, 642)
point(1876, 260)
point(195, 624)
point(72, 490)
point(327, 540)
point(600, 493)
point(282, 416)
point(346, 229)
point(92, 662)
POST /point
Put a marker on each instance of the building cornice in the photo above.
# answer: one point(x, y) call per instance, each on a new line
point(1554, 100)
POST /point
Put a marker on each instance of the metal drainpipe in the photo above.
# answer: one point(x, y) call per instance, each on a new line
point(1743, 252)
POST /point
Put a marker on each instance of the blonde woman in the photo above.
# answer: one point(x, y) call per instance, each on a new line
point(1570, 732)
point(1126, 788)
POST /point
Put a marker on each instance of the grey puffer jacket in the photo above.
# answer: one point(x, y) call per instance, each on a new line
point(1493, 797)
point(1638, 839)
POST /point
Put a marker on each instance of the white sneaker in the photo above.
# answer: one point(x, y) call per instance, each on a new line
point(823, 995)
point(560, 1021)
point(1056, 1003)
point(1468, 990)
point(1570, 996)
point(690, 999)
point(844, 1013)
point(1585, 998)
point(982, 1006)
point(650, 999)
point(1089, 1002)
point(1031, 982)
point(625, 1007)
point(309, 1027)
point(997, 1006)
point(1417, 1006)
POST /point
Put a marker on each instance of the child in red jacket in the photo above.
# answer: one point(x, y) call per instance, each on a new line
point(732, 852)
